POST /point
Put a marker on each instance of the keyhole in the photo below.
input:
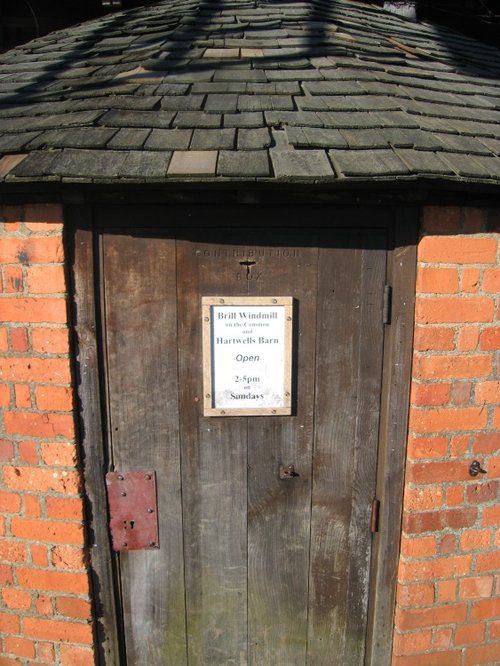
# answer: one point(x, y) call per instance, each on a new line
point(128, 523)
point(248, 263)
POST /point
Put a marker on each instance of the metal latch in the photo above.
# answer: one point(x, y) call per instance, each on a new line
point(133, 510)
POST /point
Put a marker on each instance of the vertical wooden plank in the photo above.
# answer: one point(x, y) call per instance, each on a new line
point(279, 509)
point(90, 416)
point(141, 348)
point(349, 353)
point(214, 476)
point(393, 432)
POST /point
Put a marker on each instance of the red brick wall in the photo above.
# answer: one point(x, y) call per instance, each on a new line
point(44, 601)
point(448, 600)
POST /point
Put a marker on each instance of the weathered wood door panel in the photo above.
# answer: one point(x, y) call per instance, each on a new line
point(251, 569)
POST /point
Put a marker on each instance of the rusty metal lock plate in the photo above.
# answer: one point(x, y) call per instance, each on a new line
point(133, 510)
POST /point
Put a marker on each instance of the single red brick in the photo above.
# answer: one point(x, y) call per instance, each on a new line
point(431, 570)
point(488, 561)
point(23, 396)
point(468, 338)
point(489, 339)
point(6, 577)
point(429, 338)
point(442, 638)
point(61, 508)
point(44, 605)
point(486, 608)
point(32, 424)
point(412, 643)
point(46, 652)
point(491, 515)
point(6, 449)
point(485, 442)
point(493, 466)
point(57, 630)
point(446, 590)
point(54, 398)
point(21, 647)
point(28, 452)
point(427, 447)
point(71, 655)
point(495, 630)
point(459, 518)
point(49, 310)
point(46, 530)
point(452, 367)
point(46, 279)
point(414, 618)
point(441, 218)
point(12, 551)
point(430, 394)
point(470, 280)
point(32, 508)
point(482, 492)
point(491, 280)
point(27, 251)
point(68, 557)
point(54, 581)
point(482, 654)
point(25, 369)
point(439, 472)
point(415, 595)
point(50, 340)
point(441, 658)
point(436, 420)
point(426, 521)
point(19, 339)
point(16, 599)
point(59, 454)
point(39, 555)
point(469, 634)
point(4, 343)
point(73, 607)
point(423, 499)
point(4, 395)
point(433, 280)
point(455, 495)
point(461, 393)
point(488, 392)
point(459, 445)
point(478, 586)
point(13, 279)
point(9, 623)
point(418, 547)
point(448, 544)
point(453, 310)
point(10, 502)
point(33, 479)
point(457, 250)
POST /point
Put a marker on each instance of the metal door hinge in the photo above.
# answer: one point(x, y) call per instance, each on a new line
point(374, 516)
point(133, 510)
point(387, 308)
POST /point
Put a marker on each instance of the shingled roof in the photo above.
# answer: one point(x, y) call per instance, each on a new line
point(187, 90)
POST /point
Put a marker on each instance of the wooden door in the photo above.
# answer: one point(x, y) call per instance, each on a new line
point(252, 569)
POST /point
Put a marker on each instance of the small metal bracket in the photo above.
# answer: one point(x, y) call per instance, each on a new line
point(133, 510)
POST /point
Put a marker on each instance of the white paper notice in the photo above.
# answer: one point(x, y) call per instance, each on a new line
point(248, 356)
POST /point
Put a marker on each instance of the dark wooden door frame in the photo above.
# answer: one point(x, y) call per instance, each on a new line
point(402, 224)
